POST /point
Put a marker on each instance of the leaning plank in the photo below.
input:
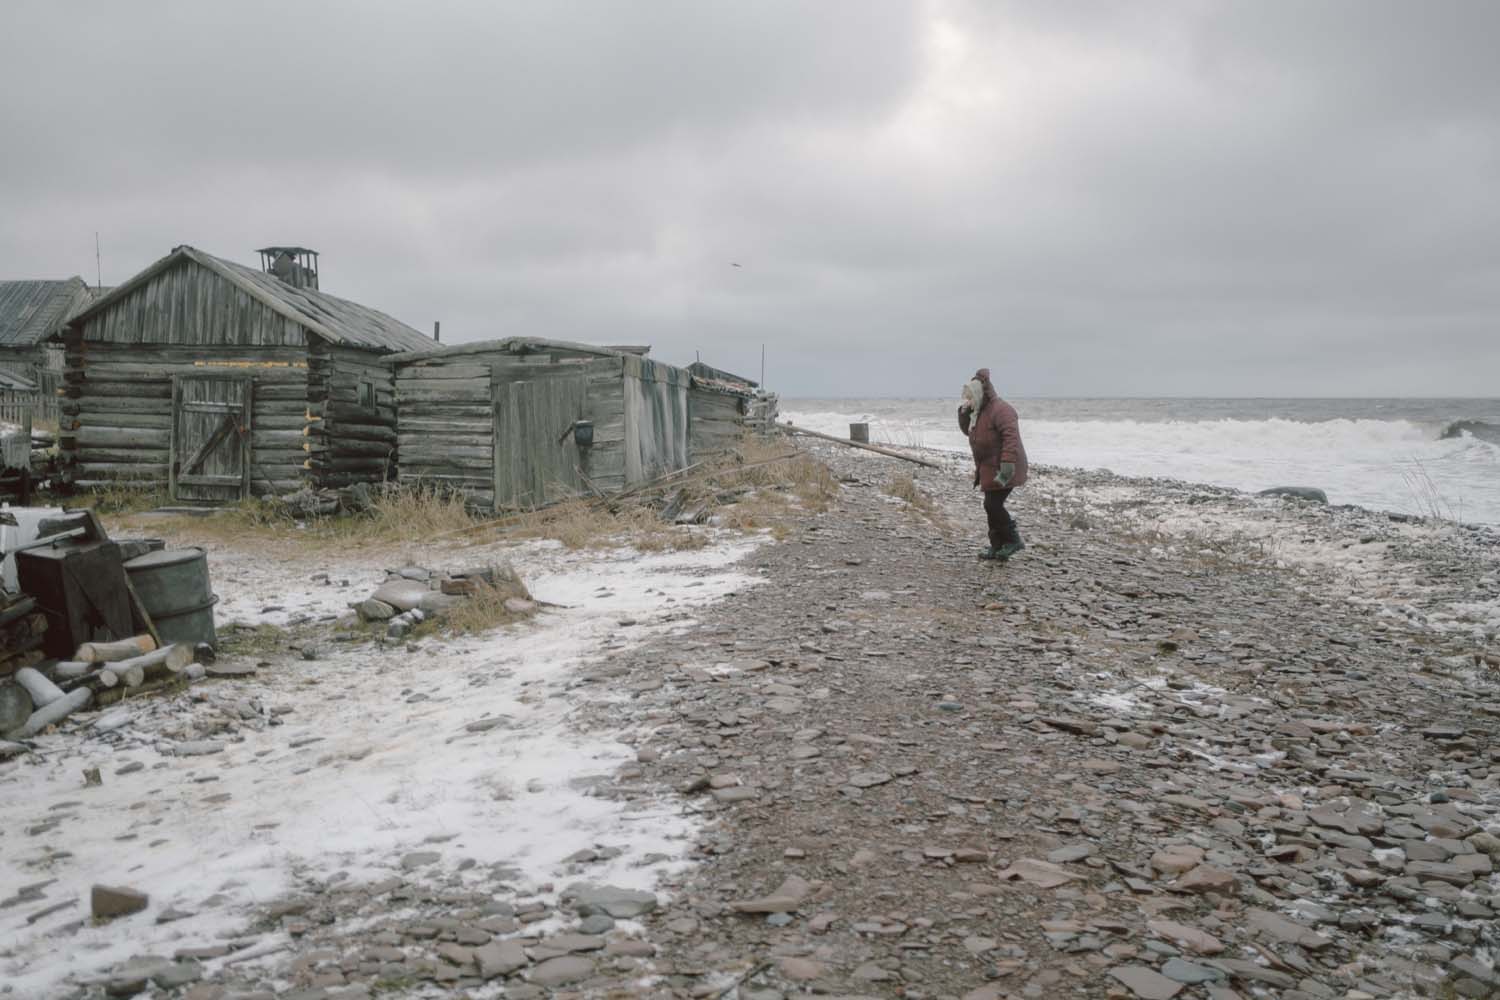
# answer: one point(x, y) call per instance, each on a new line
point(888, 452)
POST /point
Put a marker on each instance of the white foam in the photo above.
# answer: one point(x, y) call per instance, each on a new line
point(1396, 465)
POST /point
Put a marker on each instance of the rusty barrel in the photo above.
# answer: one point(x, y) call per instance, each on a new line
point(173, 585)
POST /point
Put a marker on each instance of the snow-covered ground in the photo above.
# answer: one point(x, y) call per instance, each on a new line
point(379, 752)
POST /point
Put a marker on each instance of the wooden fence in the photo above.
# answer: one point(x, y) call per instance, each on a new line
point(17, 407)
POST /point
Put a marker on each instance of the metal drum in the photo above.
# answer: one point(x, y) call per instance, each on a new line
point(173, 585)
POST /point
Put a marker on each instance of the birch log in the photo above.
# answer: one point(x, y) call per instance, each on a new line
point(109, 652)
point(68, 670)
point(43, 692)
point(52, 714)
point(137, 670)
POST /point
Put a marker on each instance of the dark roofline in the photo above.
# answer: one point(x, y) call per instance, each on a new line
point(230, 274)
point(507, 345)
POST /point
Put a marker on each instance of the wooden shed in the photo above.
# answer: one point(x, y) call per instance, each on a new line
point(723, 407)
point(219, 381)
point(31, 314)
point(718, 404)
point(500, 420)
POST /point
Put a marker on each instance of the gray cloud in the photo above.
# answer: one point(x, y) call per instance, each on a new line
point(1176, 198)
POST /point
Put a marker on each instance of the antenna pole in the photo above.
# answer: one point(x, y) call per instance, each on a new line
point(762, 366)
point(98, 264)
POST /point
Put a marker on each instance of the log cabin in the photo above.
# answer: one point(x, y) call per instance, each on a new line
point(31, 314)
point(215, 381)
point(522, 422)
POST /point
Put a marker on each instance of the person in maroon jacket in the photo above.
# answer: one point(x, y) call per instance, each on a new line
point(994, 433)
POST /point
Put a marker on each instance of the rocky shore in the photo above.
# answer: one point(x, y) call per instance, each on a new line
point(1190, 743)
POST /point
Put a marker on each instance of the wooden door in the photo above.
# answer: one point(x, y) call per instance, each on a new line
point(211, 452)
point(536, 459)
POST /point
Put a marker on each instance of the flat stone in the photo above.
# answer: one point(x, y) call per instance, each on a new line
point(455, 953)
point(1279, 928)
point(562, 970)
point(374, 611)
point(1180, 971)
point(787, 897)
point(418, 859)
point(1042, 874)
point(802, 969)
point(868, 779)
point(403, 595)
point(1191, 938)
point(500, 958)
point(1069, 724)
point(108, 902)
point(1205, 878)
point(1148, 984)
point(1072, 852)
point(622, 904)
point(573, 942)
point(1177, 859)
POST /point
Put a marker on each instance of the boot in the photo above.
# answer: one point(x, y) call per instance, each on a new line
point(991, 554)
point(1013, 542)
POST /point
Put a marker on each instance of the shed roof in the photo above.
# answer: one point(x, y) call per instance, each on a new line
point(509, 345)
point(15, 383)
point(712, 374)
point(30, 311)
point(336, 320)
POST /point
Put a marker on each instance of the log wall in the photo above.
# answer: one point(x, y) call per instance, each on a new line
point(447, 423)
point(445, 427)
point(350, 434)
point(115, 424)
point(716, 422)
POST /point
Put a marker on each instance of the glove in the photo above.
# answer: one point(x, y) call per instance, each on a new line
point(1007, 473)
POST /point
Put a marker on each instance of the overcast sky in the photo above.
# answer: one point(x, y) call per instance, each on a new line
point(1195, 198)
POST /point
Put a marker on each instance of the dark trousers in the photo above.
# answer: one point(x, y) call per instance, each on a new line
point(1002, 525)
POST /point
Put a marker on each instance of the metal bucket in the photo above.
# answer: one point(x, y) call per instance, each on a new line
point(173, 586)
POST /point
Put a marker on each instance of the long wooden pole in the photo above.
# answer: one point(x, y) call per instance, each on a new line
point(889, 453)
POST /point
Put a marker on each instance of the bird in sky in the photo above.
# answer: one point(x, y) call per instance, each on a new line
point(733, 264)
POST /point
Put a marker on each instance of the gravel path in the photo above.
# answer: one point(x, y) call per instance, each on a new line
point(1188, 744)
point(1100, 770)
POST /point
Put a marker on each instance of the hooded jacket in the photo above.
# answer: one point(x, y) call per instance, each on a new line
point(994, 437)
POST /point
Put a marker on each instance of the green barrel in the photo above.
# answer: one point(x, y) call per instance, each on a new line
point(173, 586)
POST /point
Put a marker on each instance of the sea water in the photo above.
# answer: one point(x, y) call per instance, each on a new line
point(1414, 456)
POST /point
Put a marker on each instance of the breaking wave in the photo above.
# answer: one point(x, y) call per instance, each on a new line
point(1396, 465)
point(1474, 428)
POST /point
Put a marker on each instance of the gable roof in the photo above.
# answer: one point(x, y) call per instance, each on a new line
point(336, 320)
point(30, 311)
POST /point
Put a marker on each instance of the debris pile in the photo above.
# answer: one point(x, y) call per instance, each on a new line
point(413, 594)
point(23, 629)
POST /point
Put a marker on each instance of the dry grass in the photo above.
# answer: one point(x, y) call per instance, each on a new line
point(764, 484)
point(904, 487)
point(397, 517)
point(120, 500)
point(578, 524)
point(486, 609)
